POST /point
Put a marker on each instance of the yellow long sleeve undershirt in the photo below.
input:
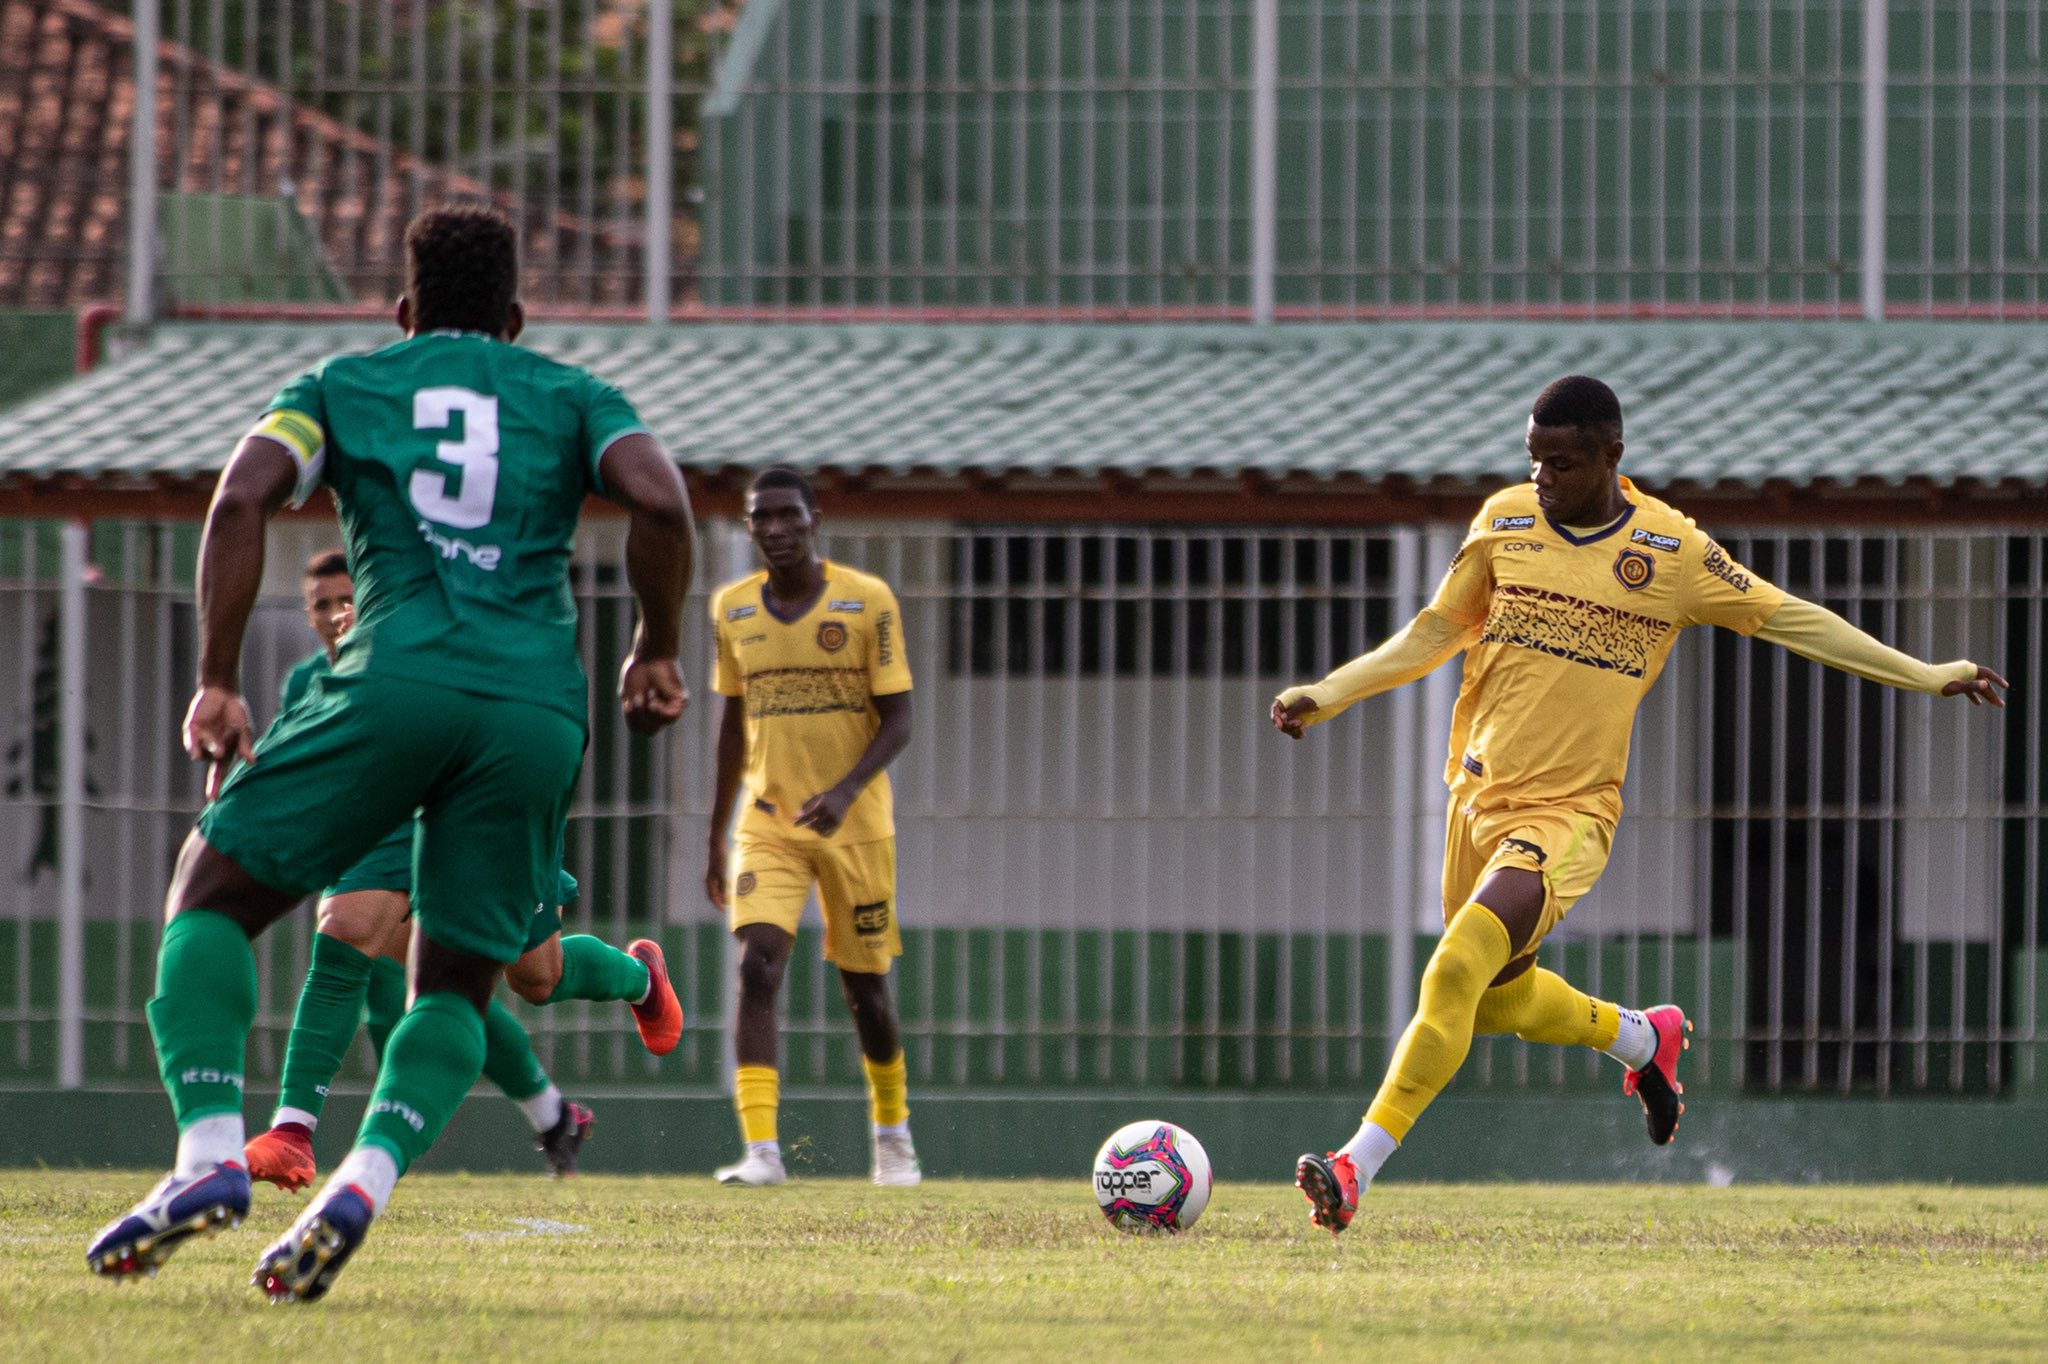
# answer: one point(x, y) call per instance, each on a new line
point(1416, 650)
point(1812, 631)
point(1807, 629)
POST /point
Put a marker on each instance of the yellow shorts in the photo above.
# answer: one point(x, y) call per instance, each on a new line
point(1567, 848)
point(856, 889)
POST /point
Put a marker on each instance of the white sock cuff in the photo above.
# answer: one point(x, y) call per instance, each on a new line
point(209, 1141)
point(285, 1113)
point(1369, 1148)
point(544, 1109)
point(371, 1169)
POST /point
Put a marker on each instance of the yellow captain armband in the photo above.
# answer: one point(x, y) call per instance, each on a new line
point(301, 435)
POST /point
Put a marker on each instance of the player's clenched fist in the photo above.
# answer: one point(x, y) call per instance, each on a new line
point(651, 694)
point(1292, 720)
point(217, 731)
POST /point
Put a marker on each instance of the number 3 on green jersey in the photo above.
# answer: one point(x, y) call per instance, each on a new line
point(476, 455)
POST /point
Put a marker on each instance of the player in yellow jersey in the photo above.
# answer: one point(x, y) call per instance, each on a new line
point(1565, 599)
point(817, 703)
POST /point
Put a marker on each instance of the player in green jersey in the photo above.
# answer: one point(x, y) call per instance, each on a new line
point(359, 955)
point(459, 464)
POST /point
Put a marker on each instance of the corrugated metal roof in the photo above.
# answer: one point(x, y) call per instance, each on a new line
point(1707, 403)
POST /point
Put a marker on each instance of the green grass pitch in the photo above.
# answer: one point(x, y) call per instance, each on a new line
point(514, 1267)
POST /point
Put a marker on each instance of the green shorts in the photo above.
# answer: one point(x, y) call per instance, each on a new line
point(491, 778)
point(547, 920)
point(388, 867)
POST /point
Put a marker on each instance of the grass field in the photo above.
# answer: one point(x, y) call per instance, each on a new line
point(676, 1268)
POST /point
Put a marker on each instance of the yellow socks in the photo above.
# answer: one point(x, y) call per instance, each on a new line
point(1542, 1006)
point(888, 1091)
point(1471, 954)
point(757, 1092)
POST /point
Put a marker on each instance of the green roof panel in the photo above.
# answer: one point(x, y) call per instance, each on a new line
point(1707, 403)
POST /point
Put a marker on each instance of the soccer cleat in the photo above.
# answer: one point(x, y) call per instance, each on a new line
point(659, 1016)
point(282, 1156)
point(560, 1143)
point(756, 1168)
point(1330, 1184)
point(303, 1264)
point(177, 1209)
point(1656, 1085)
point(896, 1165)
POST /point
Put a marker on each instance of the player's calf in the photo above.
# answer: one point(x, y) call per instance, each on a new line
point(177, 1209)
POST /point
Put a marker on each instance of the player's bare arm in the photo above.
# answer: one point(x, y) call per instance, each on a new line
point(826, 811)
point(731, 758)
point(258, 480)
point(660, 559)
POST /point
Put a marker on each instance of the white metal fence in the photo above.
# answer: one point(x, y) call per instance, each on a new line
point(1158, 158)
point(1112, 870)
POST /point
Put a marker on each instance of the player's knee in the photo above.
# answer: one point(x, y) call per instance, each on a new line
point(760, 975)
point(363, 919)
point(533, 981)
point(1453, 973)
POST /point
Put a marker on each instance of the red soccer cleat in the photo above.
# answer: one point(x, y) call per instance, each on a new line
point(1656, 1085)
point(660, 1015)
point(283, 1156)
point(1330, 1184)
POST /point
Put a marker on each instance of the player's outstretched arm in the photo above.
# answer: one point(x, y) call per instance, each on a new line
point(1416, 650)
point(1812, 631)
point(258, 480)
point(661, 551)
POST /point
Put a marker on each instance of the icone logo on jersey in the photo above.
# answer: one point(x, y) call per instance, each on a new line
point(485, 557)
point(1514, 522)
point(1668, 543)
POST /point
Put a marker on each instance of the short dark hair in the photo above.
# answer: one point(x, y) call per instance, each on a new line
point(326, 564)
point(461, 268)
point(780, 477)
point(1582, 401)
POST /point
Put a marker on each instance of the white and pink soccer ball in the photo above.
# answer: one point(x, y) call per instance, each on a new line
point(1152, 1176)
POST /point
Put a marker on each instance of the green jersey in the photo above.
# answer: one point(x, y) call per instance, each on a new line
point(300, 679)
point(460, 464)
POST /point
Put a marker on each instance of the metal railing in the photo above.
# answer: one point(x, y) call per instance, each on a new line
point(1113, 872)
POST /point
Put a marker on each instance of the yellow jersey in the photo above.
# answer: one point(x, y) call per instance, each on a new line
point(808, 683)
point(1572, 631)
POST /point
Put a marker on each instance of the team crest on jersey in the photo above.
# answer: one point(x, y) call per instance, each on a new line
point(831, 636)
point(741, 612)
point(1667, 543)
point(848, 607)
point(744, 885)
point(1514, 522)
point(1633, 569)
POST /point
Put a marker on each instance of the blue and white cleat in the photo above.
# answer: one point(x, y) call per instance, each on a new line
point(304, 1263)
point(179, 1208)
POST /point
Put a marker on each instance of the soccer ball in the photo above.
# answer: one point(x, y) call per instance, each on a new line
point(1152, 1176)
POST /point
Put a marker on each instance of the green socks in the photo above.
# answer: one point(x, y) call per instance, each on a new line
point(330, 1008)
point(434, 1056)
point(385, 1002)
point(509, 1062)
point(204, 1007)
point(593, 969)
